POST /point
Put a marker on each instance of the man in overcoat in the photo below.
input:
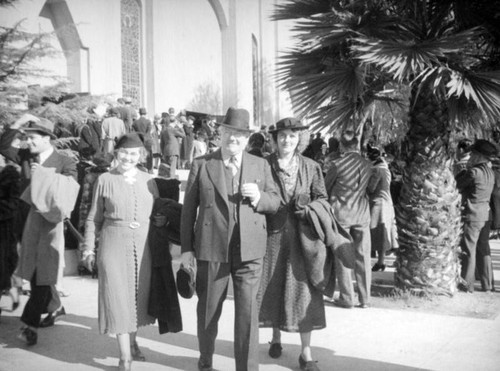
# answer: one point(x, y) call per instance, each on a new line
point(223, 225)
point(476, 185)
point(51, 196)
point(346, 184)
point(170, 145)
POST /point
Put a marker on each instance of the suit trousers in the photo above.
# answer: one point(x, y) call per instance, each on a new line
point(475, 232)
point(37, 303)
point(362, 267)
point(212, 281)
point(172, 162)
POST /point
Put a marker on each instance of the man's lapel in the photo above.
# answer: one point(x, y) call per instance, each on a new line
point(215, 170)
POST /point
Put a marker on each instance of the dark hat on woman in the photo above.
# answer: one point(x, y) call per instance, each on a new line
point(130, 140)
point(287, 123)
point(42, 127)
point(485, 148)
point(237, 119)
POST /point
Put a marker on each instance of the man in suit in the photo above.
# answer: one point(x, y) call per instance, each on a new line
point(223, 225)
point(143, 125)
point(169, 144)
point(51, 195)
point(476, 185)
point(346, 184)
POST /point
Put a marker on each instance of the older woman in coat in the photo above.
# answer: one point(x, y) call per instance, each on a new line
point(121, 207)
point(288, 301)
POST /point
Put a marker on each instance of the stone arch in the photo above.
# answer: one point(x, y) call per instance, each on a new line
point(219, 13)
point(57, 11)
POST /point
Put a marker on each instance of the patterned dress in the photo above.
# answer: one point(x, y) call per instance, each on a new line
point(120, 212)
point(286, 298)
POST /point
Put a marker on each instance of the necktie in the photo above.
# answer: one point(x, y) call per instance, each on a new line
point(232, 165)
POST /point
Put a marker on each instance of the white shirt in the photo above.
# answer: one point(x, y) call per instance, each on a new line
point(45, 154)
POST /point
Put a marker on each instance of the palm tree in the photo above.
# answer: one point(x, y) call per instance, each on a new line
point(447, 53)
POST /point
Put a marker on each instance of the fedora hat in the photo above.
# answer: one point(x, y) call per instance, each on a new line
point(186, 281)
point(43, 127)
point(237, 119)
point(485, 148)
point(287, 123)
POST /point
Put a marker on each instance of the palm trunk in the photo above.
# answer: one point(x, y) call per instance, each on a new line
point(428, 211)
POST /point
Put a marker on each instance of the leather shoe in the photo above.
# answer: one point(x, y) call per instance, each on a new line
point(204, 365)
point(125, 365)
point(378, 267)
point(342, 304)
point(275, 350)
point(29, 336)
point(51, 318)
point(363, 306)
point(136, 352)
point(307, 365)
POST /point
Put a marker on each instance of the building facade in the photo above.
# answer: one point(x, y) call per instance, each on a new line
point(203, 55)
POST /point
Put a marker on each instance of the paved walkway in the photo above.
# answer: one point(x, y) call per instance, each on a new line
point(357, 339)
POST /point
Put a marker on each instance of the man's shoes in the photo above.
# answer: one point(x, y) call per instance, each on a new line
point(51, 318)
point(204, 365)
point(363, 306)
point(308, 365)
point(136, 352)
point(275, 350)
point(463, 287)
point(342, 304)
point(378, 267)
point(29, 336)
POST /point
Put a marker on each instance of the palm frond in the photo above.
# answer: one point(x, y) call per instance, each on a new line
point(404, 58)
point(300, 9)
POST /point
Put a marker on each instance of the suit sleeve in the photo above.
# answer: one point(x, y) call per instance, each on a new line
point(330, 179)
point(269, 197)
point(190, 208)
point(69, 168)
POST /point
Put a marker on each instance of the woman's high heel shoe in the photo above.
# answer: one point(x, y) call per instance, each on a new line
point(125, 365)
point(15, 297)
point(378, 267)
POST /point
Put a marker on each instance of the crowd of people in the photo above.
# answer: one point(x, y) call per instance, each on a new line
point(284, 216)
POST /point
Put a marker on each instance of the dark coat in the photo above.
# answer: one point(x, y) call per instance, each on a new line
point(205, 213)
point(163, 298)
point(169, 142)
point(476, 186)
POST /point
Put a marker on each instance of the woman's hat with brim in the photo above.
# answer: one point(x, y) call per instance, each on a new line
point(237, 119)
point(287, 123)
point(131, 140)
point(43, 127)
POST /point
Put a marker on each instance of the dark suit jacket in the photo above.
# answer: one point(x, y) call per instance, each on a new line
point(205, 213)
point(169, 142)
point(142, 125)
point(476, 186)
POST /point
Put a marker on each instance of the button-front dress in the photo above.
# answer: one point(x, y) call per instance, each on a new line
point(120, 211)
